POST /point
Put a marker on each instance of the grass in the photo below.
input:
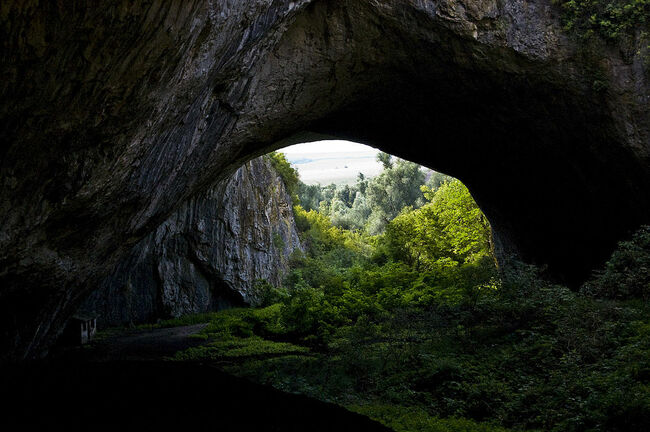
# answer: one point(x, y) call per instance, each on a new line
point(236, 348)
point(185, 320)
point(230, 335)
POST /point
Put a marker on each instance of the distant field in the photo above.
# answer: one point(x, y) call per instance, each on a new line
point(333, 162)
point(339, 168)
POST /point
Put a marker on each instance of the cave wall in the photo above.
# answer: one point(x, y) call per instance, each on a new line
point(113, 115)
point(208, 255)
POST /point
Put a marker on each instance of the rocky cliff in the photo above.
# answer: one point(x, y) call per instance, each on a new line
point(114, 114)
point(208, 254)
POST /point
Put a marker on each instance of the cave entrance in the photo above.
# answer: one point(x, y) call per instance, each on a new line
point(530, 137)
point(490, 92)
point(386, 201)
point(356, 186)
point(522, 120)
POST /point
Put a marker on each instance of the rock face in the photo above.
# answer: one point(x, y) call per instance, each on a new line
point(112, 116)
point(208, 254)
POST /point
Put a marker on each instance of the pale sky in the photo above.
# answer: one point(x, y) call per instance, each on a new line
point(331, 146)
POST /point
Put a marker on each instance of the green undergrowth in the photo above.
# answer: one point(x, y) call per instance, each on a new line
point(230, 335)
point(185, 320)
point(413, 419)
point(543, 358)
point(424, 342)
point(233, 349)
point(413, 325)
point(415, 328)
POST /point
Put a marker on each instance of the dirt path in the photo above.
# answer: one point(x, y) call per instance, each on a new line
point(140, 344)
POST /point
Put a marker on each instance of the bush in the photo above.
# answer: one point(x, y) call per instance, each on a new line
point(265, 294)
point(627, 273)
point(609, 19)
point(288, 174)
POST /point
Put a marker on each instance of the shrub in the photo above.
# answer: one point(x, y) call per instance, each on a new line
point(265, 294)
point(288, 174)
point(627, 273)
point(609, 19)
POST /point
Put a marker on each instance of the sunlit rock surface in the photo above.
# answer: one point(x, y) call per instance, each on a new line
point(114, 115)
point(208, 255)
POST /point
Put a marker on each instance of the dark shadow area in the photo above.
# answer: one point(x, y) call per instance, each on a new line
point(165, 394)
point(137, 344)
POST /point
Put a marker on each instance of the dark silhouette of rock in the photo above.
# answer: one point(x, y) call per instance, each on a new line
point(112, 116)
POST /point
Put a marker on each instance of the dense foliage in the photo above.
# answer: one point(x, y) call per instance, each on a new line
point(371, 204)
point(527, 356)
point(415, 328)
point(627, 274)
point(288, 174)
point(450, 228)
point(609, 19)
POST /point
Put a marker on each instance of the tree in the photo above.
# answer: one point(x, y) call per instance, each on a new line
point(467, 230)
point(398, 186)
point(437, 179)
point(310, 196)
point(450, 227)
point(353, 218)
point(385, 159)
point(362, 183)
point(328, 192)
point(346, 194)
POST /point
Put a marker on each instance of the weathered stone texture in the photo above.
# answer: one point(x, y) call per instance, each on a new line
point(208, 255)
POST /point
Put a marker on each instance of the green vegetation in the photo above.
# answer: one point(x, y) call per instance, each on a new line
point(617, 280)
point(609, 19)
point(450, 228)
point(412, 419)
point(288, 173)
point(371, 203)
point(186, 320)
point(413, 326)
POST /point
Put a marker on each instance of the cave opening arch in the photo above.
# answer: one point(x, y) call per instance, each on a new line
point(533, 205)
point(551, 140)
point(532, 139)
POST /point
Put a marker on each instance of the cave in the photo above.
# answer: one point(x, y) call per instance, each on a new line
point(112, 117)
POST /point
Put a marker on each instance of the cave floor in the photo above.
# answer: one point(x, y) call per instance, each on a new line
point(123, 379)
point(140, 344)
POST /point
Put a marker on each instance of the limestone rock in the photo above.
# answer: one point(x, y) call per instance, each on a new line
point(208, 255)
